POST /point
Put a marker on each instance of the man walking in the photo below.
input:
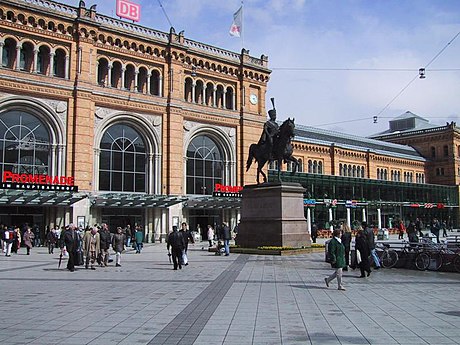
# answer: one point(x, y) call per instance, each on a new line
point(369, 231)
point(118, 245)
point(91, 246)
point(226, 237)
point(177, 244)
point(187, 235)
point(70, 240)
point(105, 245)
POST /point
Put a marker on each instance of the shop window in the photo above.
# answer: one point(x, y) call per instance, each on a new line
point(123, 157)
point(205, 165)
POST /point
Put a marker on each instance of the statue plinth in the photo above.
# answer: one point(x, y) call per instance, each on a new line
point(272, 214)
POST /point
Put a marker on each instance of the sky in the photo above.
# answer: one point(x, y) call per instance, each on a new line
point(335, 63)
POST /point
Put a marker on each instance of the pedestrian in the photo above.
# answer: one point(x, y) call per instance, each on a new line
point(91, 246)
point(412, 233)
point(401, 230)
point(28, 239)
point(435, 228)
point(36, 239)
point(369, 233)
point(336, 252)
point(51, 239)
point(419, 226)
point(362, 252)
point(187, 237)
point(9, 236)
point(128, 235)
point(118, 245)
point(226, 237)
point(176, 242)
point(444, 228)
point(105, 238)
point(17, 240)
point(70, 239)
point(314, 232)
point(139, 238)
point(210, 234)
point(346, 241)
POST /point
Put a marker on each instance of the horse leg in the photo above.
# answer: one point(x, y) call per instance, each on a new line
point(279, 169)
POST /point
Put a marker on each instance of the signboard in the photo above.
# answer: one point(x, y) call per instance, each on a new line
point(351, 203)
point(227, 191)
point(309, 202)
point(12, 180)
point(128, 10)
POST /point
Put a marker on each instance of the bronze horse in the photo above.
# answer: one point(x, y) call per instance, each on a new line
point(281, 151)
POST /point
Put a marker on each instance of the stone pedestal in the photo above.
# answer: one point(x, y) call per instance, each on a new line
point(272, 214)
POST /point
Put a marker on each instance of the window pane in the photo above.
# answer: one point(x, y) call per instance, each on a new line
point(104, 180)
point(116, 182)
point(128, 182)
point(117, 160)
point(140, 182)
point(104, 162)
point(128, 162)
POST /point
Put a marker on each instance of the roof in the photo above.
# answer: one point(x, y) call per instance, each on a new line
point(419, 123)
point(325, 137)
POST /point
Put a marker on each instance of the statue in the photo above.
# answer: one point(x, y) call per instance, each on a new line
point(274, 145)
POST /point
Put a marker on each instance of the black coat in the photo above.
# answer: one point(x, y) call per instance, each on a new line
point(70, 239)
point(225, 233)
point(370, 238)
point(346, 240)
point(176, 240)
point(363, 246)
point(105, 239)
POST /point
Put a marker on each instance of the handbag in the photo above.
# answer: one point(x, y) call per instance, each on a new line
point(358, 257)
point(80, 260)
point(184, 258)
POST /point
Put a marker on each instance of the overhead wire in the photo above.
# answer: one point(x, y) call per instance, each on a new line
point(166, 15)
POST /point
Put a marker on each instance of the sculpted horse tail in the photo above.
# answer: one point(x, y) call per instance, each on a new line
point(250, 156)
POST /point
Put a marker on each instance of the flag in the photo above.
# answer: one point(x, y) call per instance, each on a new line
point(237, 25)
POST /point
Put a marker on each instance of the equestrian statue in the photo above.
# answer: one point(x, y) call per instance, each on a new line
point(274, 145)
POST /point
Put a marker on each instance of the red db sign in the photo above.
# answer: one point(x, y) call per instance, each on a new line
point(128, 10)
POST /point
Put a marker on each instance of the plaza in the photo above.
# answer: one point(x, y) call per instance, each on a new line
point(239, 299)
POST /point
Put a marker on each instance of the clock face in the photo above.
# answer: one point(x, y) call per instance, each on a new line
point(253, 99)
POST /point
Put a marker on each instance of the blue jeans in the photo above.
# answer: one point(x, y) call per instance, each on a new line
point(227, 246)
point(128, 241)
point(138, 247)
point(375, 258)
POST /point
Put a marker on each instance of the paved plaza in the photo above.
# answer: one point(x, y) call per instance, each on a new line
point(239, 299)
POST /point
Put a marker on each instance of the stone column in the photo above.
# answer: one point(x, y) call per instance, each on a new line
point(109, 75)
point(2, 44)
point(66, 72)
point(136, 80)
point(35, 68)
point(18, 56)
point(348, 217)
point(193, 91)
point(309, 220)
point(224, 100)
point(214, 101)
point(122, 84)
point(234, 101)
point(97, 156)
point(203, 96)
point(160, 86)
point(51, 65)
point(379, 218)
point(331, 227)
point(364, 214)
point(149, 75)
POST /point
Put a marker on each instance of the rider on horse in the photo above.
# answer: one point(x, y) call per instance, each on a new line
point(271, 130)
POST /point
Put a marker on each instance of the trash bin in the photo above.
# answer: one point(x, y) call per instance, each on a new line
point(383, 234)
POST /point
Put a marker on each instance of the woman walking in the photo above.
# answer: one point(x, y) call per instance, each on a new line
point(362, 253)
point(28, 239)
point(346, 241)
point(210, 235)
point(118, 245)
point(336, 252)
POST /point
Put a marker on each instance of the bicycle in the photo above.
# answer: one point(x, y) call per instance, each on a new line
point(440, 255)
point(389, 257)
point(421, 259)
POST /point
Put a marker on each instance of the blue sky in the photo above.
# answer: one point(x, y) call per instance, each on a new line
point(304, 37)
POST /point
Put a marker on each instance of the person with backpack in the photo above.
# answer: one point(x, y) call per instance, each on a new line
point(177, 244)
point(9, 236)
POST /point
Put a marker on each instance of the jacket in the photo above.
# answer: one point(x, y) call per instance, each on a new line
point(28, 238)
point(363, 246)
point(337, 253)
point(225, 233)
point(105, 239)
point(138, 236)
point(370, 238)
point(87, 243)
point(346, 240)
point(176, 240)
point(118, 242)
point(70, 239)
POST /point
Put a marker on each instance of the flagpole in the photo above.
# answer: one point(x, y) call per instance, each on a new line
point(242, 25)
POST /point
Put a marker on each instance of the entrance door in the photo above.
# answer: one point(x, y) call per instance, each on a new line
point(203, 218)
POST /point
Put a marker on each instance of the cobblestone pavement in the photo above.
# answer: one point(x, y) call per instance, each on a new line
point(239, 299)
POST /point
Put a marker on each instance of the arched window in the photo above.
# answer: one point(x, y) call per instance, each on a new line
point(433, 151)
point(142, 80)
point(9, 53)
point(315, 167)
point(59, 63)
point(273, 165)
point(310, 166)
point(378, 174)
point(27, 57)
point(199, 89)
point(155, 83)
point(116, 75)
point(24, 144)
point(188, 90)
point(229, 99)
point(43, 60)
point(220, 96)
point(123, 157)
point(102, 71)
point(209, 95)
point(129, 77)
point(300, 165)
point(205, 165)
point(320, 167)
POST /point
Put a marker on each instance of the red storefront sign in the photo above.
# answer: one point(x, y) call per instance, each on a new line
point(12, 180)
point(227, 191)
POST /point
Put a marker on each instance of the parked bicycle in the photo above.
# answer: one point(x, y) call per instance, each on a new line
point(441, 255)
point(413, 250)
point(389, 257)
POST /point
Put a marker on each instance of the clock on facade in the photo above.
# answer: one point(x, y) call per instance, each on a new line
point(253, 98)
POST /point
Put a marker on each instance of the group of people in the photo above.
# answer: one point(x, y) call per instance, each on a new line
point(415, 229)
point(178, 242)
point(12, 239)
point(339, 252)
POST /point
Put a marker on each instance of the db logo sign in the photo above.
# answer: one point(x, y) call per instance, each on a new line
point(128, 10)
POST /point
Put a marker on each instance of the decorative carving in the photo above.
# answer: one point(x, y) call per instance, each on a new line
point(156, 121)
point(101, 113)
point(188, 125)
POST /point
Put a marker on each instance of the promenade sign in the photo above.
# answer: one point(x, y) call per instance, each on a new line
point(128, 10)
point(12, 180)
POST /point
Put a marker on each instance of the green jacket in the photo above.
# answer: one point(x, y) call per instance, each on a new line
point(139, 236)
point(337, 253)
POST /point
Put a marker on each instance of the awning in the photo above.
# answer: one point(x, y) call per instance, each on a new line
point(134, 200)
point(210, 202)
point(9, 197)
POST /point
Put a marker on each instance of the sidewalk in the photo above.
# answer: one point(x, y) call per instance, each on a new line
point(239, 299)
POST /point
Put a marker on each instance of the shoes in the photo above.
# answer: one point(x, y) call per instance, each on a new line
point(362, 276)
point(175, 269)
point(377, 268)
point(186, 264)
point(86, 266)
point(342, 288)
point(327, 283)
point(227, 254)
point(93, 268)
point(72, 269)
point(368, 273)
point(118, 265)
